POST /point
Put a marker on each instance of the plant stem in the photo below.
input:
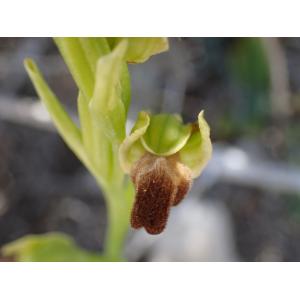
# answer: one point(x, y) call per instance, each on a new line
point(118, 200)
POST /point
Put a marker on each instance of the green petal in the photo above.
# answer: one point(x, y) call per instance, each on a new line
point(141, 48)
point(131, 149)
point(166, 135)
point(198, 149)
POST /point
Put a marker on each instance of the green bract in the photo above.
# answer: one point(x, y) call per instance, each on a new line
point(166, 135)
point(141, 48)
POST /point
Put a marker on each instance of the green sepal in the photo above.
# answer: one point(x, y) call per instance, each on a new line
point(198, 150)
point(79, 65)
point(165, 135)
point(141, 49)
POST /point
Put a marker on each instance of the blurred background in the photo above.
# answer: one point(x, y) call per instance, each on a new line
point(246, 204)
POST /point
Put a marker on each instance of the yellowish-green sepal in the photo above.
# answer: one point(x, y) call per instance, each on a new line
point(141, 49)
point(132, 149)
point(198, 150)
point(166, 135)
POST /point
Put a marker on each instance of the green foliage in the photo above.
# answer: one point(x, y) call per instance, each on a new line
point(293, 206)
point(249, 64)
point(55, 247)
point(249, 70)
point(100, 72)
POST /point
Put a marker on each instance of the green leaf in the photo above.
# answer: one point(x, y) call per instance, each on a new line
point(50, 247)
point(248, 63)
point(64, 124)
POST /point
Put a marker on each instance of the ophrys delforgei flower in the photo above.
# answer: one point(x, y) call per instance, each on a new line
point(162, 156)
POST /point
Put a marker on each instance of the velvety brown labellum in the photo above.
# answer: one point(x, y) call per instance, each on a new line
point(160, 182)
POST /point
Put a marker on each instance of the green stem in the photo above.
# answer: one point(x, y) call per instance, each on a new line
point(119, 201)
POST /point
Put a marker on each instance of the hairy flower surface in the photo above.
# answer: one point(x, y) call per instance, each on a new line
point(160, 183)
point(162, 156)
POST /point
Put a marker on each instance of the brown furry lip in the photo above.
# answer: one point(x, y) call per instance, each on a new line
point(160, 182)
